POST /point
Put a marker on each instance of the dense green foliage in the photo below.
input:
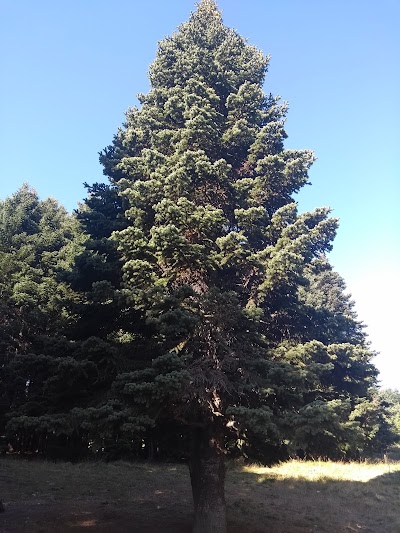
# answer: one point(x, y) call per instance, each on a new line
point(188, 297)
point(38, 241)
point(391, 401)
point(258, 341)
point(187, 309)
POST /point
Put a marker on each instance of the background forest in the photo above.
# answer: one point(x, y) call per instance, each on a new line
point(69, 334)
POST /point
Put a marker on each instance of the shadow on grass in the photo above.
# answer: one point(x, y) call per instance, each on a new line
point(143, 498)
point(299, 505)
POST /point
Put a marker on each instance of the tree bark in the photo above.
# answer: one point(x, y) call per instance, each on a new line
point(207, 475)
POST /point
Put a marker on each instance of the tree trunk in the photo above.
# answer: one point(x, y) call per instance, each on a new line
point(207, 475)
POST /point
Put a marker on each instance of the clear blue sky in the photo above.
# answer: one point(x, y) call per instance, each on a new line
point(69, 70)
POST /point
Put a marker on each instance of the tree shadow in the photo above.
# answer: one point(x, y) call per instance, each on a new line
point(299, 505)
point(148, 498)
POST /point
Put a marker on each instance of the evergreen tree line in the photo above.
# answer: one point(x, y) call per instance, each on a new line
point(186, 309)
point(71, 339)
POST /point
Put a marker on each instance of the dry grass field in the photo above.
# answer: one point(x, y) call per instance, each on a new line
point(294, 497)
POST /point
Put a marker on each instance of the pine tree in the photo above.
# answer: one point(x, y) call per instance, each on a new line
point(96, 276)
point(109, 331)
point(336, 411)
point(67, 330)
point(216, 258)
point(38, 241)
point(390, 398)
point(46, 379)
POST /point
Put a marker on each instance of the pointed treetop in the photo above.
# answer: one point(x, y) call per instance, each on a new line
point(208, 7)
point(205, 48)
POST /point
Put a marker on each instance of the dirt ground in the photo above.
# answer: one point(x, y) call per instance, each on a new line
point(44, 497)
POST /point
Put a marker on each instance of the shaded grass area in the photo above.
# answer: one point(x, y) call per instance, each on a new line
point(294, 497)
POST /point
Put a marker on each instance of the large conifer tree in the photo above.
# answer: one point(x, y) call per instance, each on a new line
point(217, 258)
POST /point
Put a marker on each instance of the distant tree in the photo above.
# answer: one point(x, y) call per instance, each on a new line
point(96, 275)
point(259, 346)
point(342, 415)
point(62, 341)
point(45, 374)
point(38, 240)
point(391, 400)
point(121, 340)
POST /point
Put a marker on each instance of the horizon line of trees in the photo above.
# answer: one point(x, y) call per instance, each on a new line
point(69, 335)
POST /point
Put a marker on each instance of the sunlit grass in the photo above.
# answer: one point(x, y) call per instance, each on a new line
point(323, 471)
point(296, 497)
